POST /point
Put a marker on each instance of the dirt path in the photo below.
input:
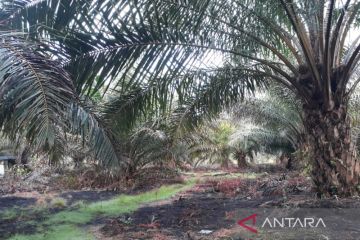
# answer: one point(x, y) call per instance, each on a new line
point(211, 215)
point(210, 210)
point(180, 218)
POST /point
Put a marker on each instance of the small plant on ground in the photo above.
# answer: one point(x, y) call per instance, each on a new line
point(58, 203)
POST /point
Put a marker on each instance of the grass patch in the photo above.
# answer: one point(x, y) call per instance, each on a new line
point(65, 225)
point(128, 203)
point(61, 232)
point(9, 214)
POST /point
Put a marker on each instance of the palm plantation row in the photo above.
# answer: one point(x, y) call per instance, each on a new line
point(119, 74)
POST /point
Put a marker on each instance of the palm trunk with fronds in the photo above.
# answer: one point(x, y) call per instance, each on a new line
point(240, 156)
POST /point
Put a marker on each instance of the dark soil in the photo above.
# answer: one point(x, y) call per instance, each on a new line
point(189, 214)
point(9, 228)
point(87, 196)
point(18, 202)
point(10, 225)
point(24, 207)
point(205, 209)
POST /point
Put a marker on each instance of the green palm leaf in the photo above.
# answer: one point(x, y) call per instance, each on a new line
point(85, 122)
point(35, 92)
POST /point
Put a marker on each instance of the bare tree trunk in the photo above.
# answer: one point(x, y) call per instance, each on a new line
point(241, 159)
point(225, 163)
point(335, 167)
point(285, 161)
point(24, 158)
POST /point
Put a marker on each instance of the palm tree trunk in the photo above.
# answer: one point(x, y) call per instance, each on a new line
point(285, 161)
point(225, 163)
point(335, 167)
point(241, 159)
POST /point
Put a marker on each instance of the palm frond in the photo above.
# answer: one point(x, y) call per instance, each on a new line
point(141, 40)
point(185, 100)
point(34, 93)
point(107, 40)
point(86, 123)
point(145, 52)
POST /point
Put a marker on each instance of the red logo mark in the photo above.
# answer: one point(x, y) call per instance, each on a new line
point(242, 223)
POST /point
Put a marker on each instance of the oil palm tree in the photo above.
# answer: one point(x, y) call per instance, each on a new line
point(221, 140)
point(277, 114)
point(211, 143)
point(247, 147)
point(277, 119)
point(155, 46)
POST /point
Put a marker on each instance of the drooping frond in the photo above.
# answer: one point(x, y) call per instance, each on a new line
point(185, 100)
point(6, 146)
point(34, 92)
point(264, 139)
point(84, 122)
point(131, 41)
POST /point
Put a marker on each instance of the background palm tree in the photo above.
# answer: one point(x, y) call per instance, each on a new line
point(277, 110)
point(149, 53)
point(211, 143)
point(279, 126)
